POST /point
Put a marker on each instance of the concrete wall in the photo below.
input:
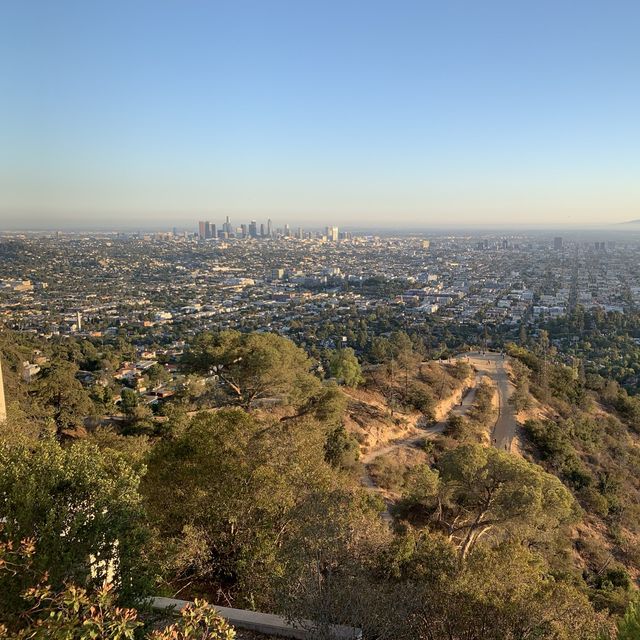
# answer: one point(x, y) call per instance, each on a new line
point(267, 623)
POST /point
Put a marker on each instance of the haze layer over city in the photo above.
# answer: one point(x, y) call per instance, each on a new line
point(319, 320)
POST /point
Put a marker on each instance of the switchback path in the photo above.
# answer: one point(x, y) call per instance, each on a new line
point(412, 441)
point(503, 433)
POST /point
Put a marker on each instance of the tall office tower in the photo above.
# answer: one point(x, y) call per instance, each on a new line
point(207, 230)
point(262, 232)
point(227, 226)
point(299, 233)
point(287, 231)
point(3, 406)
point(214, 231)
point(253, 229)
point(243, 230)
point(202, 230)
point(269, 229)
point(333, 234)
point(557, 243)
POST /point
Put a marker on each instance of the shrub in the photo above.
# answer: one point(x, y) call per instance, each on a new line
point(75, 613)
point(419, 397)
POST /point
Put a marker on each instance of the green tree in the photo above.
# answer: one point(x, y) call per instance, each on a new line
point(498, 594)
point(329, 406)
point(83, 509)
point(341, 448)
point(63, 397)
point(380, 350)
point(522, 334)
point(421, 398)
point(129, 401)
point(157, 374)
point(138, 415)
point(457, 427)
point(484, 491)
point(225, 496)
point(414, 588)
point(401, 344)
point(629, 625)
point(254, 366)
point(345, 367)
point(462, 370)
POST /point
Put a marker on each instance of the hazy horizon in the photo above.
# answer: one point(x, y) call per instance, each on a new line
point(630, 230)
point(411, 115)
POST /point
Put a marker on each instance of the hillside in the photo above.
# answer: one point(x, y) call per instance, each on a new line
point(388, 407)
point(585, 432)
point(570, 428)
point(466, 413)
point(377, 496)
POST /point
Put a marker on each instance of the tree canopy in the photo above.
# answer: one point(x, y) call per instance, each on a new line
point(477, 491)
point(225, 491)
point(62, 394)
point(83, 508)
point(345, 367)
point(254, 366)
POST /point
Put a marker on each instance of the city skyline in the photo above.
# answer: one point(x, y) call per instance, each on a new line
point(416, 115)
point(190, 226)
point(208, 230)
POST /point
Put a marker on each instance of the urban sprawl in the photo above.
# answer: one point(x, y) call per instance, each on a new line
point(323, 289)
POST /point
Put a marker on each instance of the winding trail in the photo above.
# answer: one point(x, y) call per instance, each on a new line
point(412, 441)
point(491, 365)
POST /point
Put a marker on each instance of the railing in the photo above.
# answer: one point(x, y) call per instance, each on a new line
point(266, 623)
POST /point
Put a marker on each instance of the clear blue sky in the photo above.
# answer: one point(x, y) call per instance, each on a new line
point(161, 112)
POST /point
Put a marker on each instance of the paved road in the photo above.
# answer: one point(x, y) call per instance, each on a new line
point(492, 365)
